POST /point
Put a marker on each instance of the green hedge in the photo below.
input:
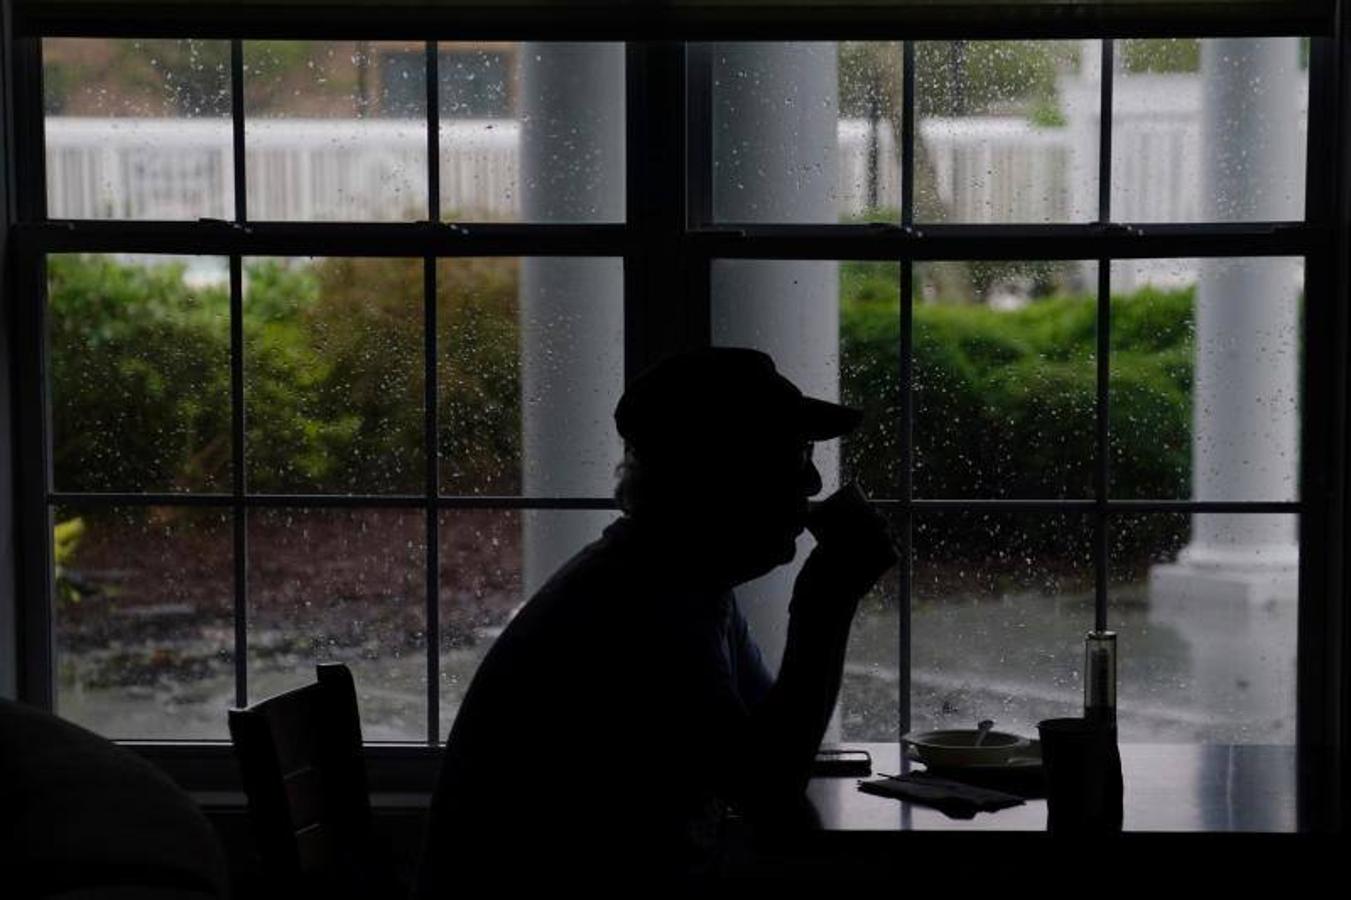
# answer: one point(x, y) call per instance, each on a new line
point(140, 377)
point(1004, 406)
point(1004, 401)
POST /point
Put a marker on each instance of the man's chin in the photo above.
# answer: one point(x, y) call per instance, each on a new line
point(769, 560)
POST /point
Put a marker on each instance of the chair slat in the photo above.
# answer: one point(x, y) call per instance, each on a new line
point(302, 767)
point(305, 796)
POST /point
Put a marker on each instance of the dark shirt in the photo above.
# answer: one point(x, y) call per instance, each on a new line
point(612, 723)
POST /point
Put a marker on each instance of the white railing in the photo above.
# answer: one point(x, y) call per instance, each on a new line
point(1003, 169)
point(998, 169)
point(311, 169)
point(853, 186)
point(138, 168)
point(326, 170)
point(1156, 148)
point(984, 168)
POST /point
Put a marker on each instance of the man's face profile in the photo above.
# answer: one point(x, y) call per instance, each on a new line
point(723, 448)
point(762, 505)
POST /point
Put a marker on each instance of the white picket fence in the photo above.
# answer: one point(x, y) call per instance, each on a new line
point(985, 168)
point(312, 170)
point(326, 170)
point(999, 169)
point(1003, 169)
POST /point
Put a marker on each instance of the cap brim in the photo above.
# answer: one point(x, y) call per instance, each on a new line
point(821, 421)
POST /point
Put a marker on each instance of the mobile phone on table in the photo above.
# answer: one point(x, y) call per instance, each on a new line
point(842, 761)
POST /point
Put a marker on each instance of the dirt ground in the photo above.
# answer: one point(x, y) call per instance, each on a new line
point(151, 593)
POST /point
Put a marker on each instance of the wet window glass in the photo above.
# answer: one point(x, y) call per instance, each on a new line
point(328, 138)
point(1006, 131)
point(338, 585)
point(1204, 387)
point(532, 132)
point(1000, 606)
point(1208, 605)
point(139, 373)
point(530, 369)
point(137, 129)
point(1204, 376)
point(143, 606)
point(1210, 130)
point(805, 132)
point(333, 375)
point(1005, 379)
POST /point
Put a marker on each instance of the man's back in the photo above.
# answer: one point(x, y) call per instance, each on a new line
point(588, 743)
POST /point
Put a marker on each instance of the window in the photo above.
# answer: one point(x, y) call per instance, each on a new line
point(333, 328)
point(476, 83)
point(270, 457)
point(1038, 394)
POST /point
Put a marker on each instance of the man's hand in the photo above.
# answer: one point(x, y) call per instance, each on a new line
point(854, 548)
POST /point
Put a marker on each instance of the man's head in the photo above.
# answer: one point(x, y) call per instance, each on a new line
point(718, 445)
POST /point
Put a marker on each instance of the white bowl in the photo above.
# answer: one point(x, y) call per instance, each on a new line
point(957, 747)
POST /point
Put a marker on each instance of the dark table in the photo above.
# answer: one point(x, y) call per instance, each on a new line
point(1225, 810)
point(1168, 787)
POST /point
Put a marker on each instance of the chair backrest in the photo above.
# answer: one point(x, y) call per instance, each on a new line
point(302, 768)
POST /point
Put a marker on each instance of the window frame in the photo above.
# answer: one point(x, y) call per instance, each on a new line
point(666, 295)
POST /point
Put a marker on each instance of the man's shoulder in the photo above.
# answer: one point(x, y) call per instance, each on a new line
point(548, 643)
point(597, 570)
point(592, 584)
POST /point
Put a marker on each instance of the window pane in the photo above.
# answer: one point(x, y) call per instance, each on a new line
point(334, 375)
point(532, 132)
point(349, 586)
point(1205, 607)
point(327, 138)
point(492, 562)
point(869, 706)
point(1000, 607)
point(144, 600)
point(1209, 130)
point(833, 328)
point(806, 132)
point(870, 374)
point(139, 368)
point(1205, 378)
point(1006, 131)
point(137, 129)
point(1004, 379)
point(531, 367)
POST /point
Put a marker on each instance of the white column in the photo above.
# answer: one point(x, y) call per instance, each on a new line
point(572, 310)
point(1232, 592)
point(775, 141)
point(1244, 444)
point(1081, 100)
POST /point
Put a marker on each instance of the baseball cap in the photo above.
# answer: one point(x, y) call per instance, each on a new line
point(720, 392)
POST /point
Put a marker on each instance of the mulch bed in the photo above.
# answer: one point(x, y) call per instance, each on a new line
point(330, 574)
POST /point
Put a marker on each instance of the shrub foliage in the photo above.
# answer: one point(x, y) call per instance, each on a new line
point(1003, 400)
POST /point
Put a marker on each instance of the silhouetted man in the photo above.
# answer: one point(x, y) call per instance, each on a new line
point(625, 708)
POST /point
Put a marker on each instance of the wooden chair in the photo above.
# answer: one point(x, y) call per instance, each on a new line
point(301, 764)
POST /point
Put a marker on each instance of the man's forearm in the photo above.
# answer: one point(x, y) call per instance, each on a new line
point(792, 721)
